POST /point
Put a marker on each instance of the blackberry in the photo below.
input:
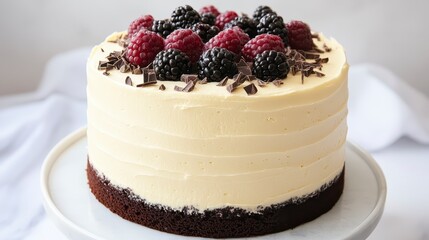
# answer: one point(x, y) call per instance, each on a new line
point(162, 27)
point(205, 31)
point(270, 65)
point(262, 11)
point(170, 64)
point(273, 24)
point(184, 17)
point(208, 18)
point(247, 24)
point(216, 64)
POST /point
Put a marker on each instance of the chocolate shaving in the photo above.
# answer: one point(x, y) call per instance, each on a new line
point(297, 61)
point(162, 87)
point(188, 88)
point(128, 81)
point(145, 76)
point(326, 48)
point(245, 70)
point(251, 89)
point(152, 76)
point(240, 77)
point(262, 83)
point(321, 60)
point(102, 65)
point(102, 49)
point(319, 74)
point(242, 63)
point(137, 71)
point(204, 81)
point(239, 80)
point(252, 77)
point(106, 73)
point(188, 77)
point(223, 82)
point(118, 64)
point(146, 84)
point(177, 88)
point(246, 78)
point(277, 82)
point(124, 68)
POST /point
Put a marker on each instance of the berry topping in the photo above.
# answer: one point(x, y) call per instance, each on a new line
point(208, 18)
point(216, 64)
point(247, 24)
point(232, 39)
point(143, 21)
point(205, 31)
point(186, 41)
point(270, 65)
point(299, 34)
point(171, 64)
point(143, 47)
point(162, 27)
point(261, 11)
point(261, 43)
point(225, 18)
point(273, 24)
point(184, 17)
point(210, 9)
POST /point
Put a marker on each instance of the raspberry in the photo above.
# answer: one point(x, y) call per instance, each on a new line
point(184, 17)
point(205, 31)
point(210, 9)
point(245, 23)
point(171, 64)
point(143, 21)
point(216, 64)
point(225, 18)
point(143, 47)
point(270, 65)
point(273, 24)
point(261, 43)
point(232, 39)
point(186, 41)
point(299, 34)
point(162, 27)
point(208, 18)
point(260, 12)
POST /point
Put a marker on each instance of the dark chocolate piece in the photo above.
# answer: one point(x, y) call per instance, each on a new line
point(128, 81)
point(251, 89)
point(146, 84)
point(277, 83)
point(223, 82)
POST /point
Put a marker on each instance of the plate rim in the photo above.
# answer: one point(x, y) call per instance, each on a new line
point(364, 228)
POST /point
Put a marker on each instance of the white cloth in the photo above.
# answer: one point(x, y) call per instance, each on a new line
point(382, 109)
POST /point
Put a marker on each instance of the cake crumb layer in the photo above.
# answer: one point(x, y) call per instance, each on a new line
point(214, 223)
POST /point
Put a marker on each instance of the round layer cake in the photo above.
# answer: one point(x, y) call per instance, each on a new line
point(212, 162)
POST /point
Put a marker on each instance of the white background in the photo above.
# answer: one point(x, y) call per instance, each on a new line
point(392, 33)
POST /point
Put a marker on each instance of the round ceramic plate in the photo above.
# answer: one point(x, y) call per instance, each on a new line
point(70, 204)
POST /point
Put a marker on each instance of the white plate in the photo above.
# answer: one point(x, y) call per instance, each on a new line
point(70, 204)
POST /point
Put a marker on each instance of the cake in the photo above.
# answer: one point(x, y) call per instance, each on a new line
point(255, 148)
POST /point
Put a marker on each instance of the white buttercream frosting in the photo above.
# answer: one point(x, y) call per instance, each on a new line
point(210, 148)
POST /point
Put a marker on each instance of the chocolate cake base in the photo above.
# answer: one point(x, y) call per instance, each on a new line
point(226, 222)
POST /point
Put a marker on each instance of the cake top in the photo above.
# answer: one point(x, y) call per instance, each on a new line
point(207, 51)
